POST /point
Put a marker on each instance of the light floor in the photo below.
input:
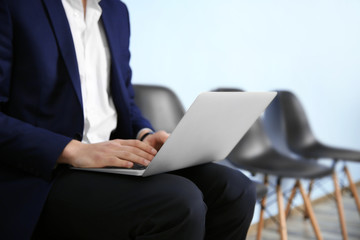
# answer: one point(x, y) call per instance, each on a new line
point(327, 217)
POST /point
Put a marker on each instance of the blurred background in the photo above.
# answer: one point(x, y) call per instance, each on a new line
point(310, 47)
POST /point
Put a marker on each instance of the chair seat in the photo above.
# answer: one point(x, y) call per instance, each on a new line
point(274, 163)
point(319, 150)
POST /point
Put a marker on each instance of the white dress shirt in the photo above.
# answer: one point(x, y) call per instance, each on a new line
point(93, 58)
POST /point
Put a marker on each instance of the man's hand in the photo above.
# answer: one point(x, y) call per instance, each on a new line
point(157, 139)
point(114, 153)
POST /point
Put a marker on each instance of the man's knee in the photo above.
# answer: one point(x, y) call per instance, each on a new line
point(179, 209)
point(184, 200)
point(247, 194)
point(237, 195)
point(237, 186)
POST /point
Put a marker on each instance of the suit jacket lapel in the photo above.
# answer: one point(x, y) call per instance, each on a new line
point(65, 41)
point(118, 88)
point(113, 37)
point(110, 25)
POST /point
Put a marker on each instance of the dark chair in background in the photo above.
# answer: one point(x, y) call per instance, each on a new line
point(256, 154)
point(160, 105)
point(290, 129)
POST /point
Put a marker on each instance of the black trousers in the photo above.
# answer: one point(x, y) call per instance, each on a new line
point(209, 201)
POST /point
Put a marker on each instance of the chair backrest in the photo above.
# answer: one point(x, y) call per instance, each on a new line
point(287, 123)
point(254, 143)
point(227, 89)
point(159, 105)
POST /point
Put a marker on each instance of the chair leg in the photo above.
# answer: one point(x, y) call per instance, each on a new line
point(340, 206)
point(310, 211)
point(311, 184)
point(280, 198)
point(261, 220)
point(262, 211)
point(352, 188)
point(292, 195)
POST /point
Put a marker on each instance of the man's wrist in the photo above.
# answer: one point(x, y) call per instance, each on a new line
point(143, 133)
point(69, 151)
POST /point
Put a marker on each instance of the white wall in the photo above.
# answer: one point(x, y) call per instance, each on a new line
point(311, 47)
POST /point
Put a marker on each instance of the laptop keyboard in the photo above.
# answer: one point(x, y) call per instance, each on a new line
point(135, 167)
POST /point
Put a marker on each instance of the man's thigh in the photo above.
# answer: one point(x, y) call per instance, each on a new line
point(88, 205)
point(215, 180)
point(229, 196)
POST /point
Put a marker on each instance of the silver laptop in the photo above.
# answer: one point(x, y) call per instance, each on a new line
point(209, 130)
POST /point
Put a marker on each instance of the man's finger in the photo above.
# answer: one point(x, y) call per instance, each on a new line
point(138, 144)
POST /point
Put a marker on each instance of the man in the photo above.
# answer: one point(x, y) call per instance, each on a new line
point(66, 99)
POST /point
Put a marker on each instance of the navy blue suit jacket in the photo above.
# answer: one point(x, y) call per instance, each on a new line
point(41, 103)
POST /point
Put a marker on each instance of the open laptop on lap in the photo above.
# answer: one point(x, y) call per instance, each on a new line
point(209, 130)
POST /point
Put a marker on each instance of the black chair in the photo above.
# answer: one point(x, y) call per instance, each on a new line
point(256, 154)
point(160, 105)
point(290, 129)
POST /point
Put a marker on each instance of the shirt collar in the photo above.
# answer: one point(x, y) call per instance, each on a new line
point(77, 4)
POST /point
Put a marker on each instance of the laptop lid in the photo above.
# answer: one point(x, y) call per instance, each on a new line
point(209, 130)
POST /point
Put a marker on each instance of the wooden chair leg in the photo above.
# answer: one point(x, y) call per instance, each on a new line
point(262, 211)
point(352, 188)
point(288, 206)
point(282, 219)
point(311, 184)
point(310, 211)
point(340, 206)
point(261, 220)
